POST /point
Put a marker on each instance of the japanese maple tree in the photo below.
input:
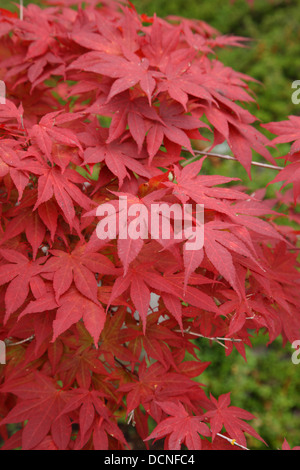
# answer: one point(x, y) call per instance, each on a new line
point(102, 102)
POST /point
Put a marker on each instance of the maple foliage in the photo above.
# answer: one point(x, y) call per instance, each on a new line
point(288, 131)
point(101, 103)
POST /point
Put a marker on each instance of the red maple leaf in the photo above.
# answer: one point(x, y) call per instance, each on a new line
point(47, 131)
point(18, 273)
point(287, 131)
point(80, 265)
point(52, 182)
point(117, 155)
point(128, 71)
point(73, 307)
point(232, 418)
point(42, 403)
point(181, 428)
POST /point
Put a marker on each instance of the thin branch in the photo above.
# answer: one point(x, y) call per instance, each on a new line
point(125, 368)
point(131, 418)
point(217, 339)
point(228, 157)
point(9, 343)
point(232, 441)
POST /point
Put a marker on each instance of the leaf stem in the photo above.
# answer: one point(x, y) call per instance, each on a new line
point(232, 441)
point(228, 157)
point(9, 343)
point(217, 339)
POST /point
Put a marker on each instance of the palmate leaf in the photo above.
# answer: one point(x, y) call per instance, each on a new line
point(79, 266)
point(47, 131)
point(232, 418)
point(42, 403)
point(288, 131)
point(180, 428)
point(31, 223)
point(73, 307)
point(18, 272)
point(118, 156)
point(128, 71)
point(126, 109)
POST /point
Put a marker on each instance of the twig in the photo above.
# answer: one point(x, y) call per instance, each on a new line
point(228, 157)
point(9, 343)
point(125, 368)
point(232, 441)
point(217, 339)
point(131, 418)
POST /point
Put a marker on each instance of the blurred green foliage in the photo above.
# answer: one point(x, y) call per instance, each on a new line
point(268, 384)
